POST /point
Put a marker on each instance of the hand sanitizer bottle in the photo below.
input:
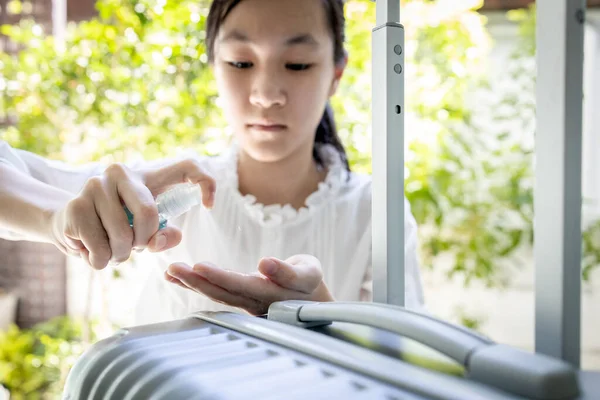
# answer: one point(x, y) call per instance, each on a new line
point(174, 203)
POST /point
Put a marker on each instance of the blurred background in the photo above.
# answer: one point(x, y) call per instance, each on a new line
point(120, 80)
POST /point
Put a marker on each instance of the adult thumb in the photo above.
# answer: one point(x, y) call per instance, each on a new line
point(164, 239)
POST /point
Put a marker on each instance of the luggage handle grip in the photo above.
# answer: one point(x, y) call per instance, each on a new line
point(456, 342)
point(530, 375)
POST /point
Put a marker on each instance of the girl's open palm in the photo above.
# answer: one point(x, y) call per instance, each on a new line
point(299, 277)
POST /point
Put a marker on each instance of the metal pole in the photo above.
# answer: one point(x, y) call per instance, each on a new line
point(387, 11)
point(557, 192)
point(388, 154)
point(59, 19)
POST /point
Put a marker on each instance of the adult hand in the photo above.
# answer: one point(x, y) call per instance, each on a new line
point(94, 224)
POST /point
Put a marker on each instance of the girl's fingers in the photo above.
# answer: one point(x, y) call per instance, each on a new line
point(253, 293)
point(251, 286)
point(185, 275)
point(174, 280)
point(301, 273)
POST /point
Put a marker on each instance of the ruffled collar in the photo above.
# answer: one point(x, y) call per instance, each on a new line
point(276, 214)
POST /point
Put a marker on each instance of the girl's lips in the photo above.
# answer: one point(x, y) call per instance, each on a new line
point(267, 128)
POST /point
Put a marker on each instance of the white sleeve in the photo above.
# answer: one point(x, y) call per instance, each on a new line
point(70, 178)
point(54, 173)
point(413, 296)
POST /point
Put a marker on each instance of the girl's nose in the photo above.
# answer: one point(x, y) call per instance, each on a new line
point(267, 92)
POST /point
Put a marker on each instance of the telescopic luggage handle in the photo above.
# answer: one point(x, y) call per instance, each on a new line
point(527, 374)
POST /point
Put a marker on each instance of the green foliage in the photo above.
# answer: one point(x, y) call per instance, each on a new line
point(34, 363)
point(526, 18)
point(591, 249)
point(473, 189)
point(469, 320)
point(468, 184)
point(133, 82)
point(523, 72)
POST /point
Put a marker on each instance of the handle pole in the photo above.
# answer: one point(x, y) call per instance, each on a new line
point(388, 154)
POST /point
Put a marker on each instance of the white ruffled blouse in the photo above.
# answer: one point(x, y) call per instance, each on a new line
point(334, 226)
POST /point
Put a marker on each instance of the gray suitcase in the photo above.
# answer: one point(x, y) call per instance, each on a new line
point(304, 350)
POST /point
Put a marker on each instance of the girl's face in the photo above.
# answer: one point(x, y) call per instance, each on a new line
point(275, 72)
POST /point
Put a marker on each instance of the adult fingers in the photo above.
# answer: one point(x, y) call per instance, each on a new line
point(189, 170)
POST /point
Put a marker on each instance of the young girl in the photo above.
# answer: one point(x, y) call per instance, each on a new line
point(283, 216)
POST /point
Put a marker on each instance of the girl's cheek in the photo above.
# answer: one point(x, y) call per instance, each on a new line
point(235, 84)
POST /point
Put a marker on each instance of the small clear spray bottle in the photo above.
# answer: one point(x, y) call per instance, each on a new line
point(174, 202)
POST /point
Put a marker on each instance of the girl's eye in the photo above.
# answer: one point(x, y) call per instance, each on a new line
point(245, 65)
point(298, 67)
point(240, 64)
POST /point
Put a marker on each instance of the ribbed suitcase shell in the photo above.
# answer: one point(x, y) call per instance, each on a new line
point(307, 350)
point(203, 358)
